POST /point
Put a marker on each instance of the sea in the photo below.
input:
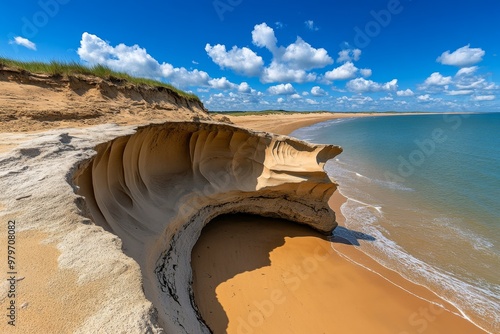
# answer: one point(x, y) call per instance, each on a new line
point(426, 189)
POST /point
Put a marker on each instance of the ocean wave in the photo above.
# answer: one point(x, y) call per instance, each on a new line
point(479, 298)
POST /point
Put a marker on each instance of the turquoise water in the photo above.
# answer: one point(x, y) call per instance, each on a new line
point(427, 188)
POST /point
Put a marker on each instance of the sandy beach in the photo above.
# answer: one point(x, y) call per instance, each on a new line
point(251, 274)
point(260, 275)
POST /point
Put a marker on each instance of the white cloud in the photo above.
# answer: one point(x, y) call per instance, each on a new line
point(462, 57)
point(426, 98)
point(301, 55)
point(282, 89)
point(475, 83)
point(349, 55)
point(483, 98)
point(244, 88)
point(317, 91)
point(343, 72)
point(310, 25)
point(278, 72)
point(291, 63)
point(305, 93)
point(295, 96)
point(459, 92)
point(279, 25)
point(310, 101)
point(407, 92)
point(280, 100)
point(387, 98)
point(221, 83)
point(466, 71)
point(361, 85)
point(437, 79)
point(366, 72)
point(263, 36)
point(243, 61)
point(355, 99)
point(136, 61)
point(23, 42)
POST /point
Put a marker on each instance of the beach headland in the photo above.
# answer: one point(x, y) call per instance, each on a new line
point(77, 271)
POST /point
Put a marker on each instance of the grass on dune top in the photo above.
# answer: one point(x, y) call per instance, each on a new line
point(56, 68)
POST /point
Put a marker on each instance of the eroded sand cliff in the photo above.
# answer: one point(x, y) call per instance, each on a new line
point(158, 188)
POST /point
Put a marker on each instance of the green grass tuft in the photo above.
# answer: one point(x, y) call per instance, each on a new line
point(55, 68)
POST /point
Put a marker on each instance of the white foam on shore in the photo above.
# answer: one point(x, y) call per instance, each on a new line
point(465, 297)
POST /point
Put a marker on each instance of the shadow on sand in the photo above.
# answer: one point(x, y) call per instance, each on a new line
point(235, 244)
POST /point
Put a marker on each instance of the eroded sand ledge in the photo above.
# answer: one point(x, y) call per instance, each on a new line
point(157, 189)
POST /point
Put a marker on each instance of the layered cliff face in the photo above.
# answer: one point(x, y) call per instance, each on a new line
point(157, 189)
point(32, 101)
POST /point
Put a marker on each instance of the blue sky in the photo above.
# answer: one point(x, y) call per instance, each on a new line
point(390, 55)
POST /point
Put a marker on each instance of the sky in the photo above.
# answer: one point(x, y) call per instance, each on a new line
point(357, 55)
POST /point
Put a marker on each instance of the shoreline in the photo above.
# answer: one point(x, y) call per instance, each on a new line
point(388, 282)
point(273, 123)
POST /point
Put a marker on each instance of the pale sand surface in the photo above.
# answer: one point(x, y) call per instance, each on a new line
point(259, 275)
point(286, 124)
point(49, 299)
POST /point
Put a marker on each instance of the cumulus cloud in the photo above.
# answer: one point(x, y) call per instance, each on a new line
point(282, 89)
point(349, 55)
point(280, 100)
point(263, 36)
point(136, 61)
point(483, 98)
point(407, 92)
point(437, 79)
point(221, 83)
point(301, 55)
point(366, 72)
point(310, 101)
point(244, 87)
point(289, 63)
point(279, 72)
point(462, 57)
point(23, 42)
point(459, 92)
point(426, 98)
point(473, 83)
point(295, 96)
point(310, 25)
point(317, 91)
point(466, 71)
point(242, 61)
point(361, 85)
point(343, 72)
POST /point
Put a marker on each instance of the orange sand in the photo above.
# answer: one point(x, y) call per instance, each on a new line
point(261, 275)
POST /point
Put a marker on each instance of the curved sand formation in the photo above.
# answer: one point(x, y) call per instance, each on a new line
point(157, 189)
